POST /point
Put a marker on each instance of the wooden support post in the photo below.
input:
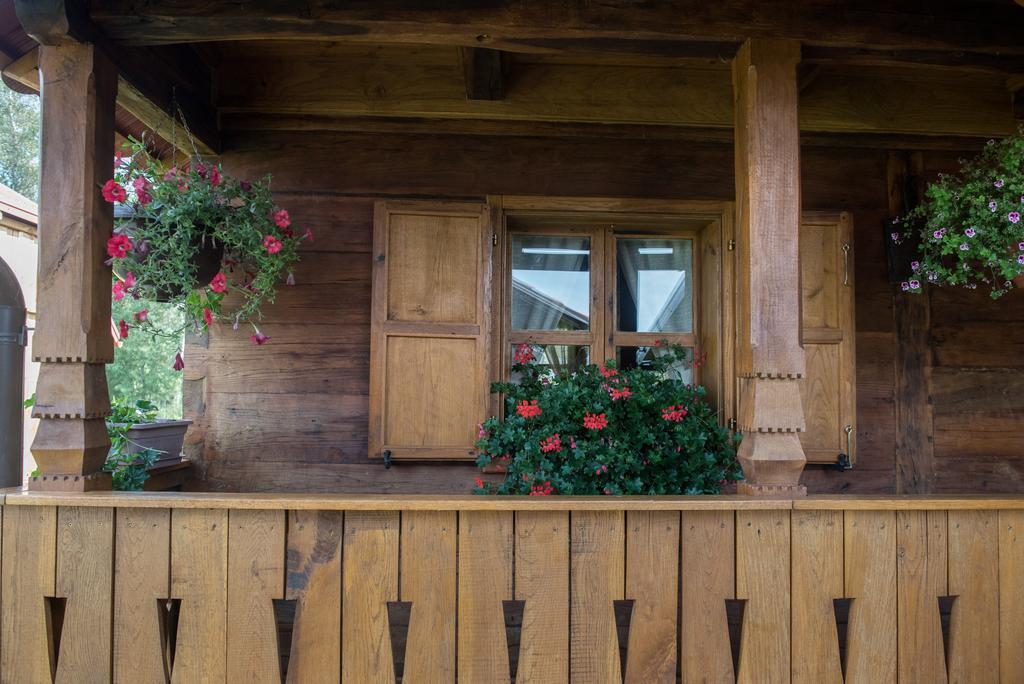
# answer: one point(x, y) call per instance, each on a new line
point(770, 358)
point(73, 340)
point(915, 450)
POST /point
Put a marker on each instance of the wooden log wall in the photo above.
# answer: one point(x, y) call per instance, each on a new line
point(215, 588)
point(292, 415)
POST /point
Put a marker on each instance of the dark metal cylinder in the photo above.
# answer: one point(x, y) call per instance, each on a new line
point(13, 336)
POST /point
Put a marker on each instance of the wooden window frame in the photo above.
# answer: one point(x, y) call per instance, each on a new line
point(709, 225)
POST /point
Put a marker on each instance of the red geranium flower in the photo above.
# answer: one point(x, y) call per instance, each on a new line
point(479, 483)
point(114, 191)
point(271, 244)
point(179, 363)
point(623, 393)
point(208, 316)
point(594, 421)
point(674, 414)
point(282, 219)
point(528, 409)
point(552, 443)
point(524, 353)
point(118, 246)
point(542, 489)
point(608, 372)
point(122, 329)
point(219, 283)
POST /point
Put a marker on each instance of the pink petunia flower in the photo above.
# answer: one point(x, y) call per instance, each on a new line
point(122, 329)
point(179, 363)
point(1014, 216)
point(914, 265)
point(207, 316)
point(219, 283)
point(970, 232)
point(118, 246)
point(118, 291)
point(964, 247)
point(993, 206)
point(114, 191)
point(282, 219)
point(271, 244)
point(141, 316)
point(258, 338)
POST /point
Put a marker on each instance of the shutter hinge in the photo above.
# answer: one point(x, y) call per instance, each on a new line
point(494, 238)
point(731, 245)
point(387, 459)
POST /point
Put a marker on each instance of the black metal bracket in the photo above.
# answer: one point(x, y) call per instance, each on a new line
point(843, 463)
point(387, 459)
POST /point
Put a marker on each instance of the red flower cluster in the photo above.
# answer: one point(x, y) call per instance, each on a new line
point(524, 353)
point(542, 489)
point(552, 443)
point(528, 409)
point(603, 468)
point(114, 191)
point(608, 372)
point(272, 244)
point(620, 393)
point(594, 421)
point(118, 246)
point(674, 413)
point(219, 283)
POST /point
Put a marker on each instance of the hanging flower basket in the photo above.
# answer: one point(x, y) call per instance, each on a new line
point(191, 235)
point(970, 228)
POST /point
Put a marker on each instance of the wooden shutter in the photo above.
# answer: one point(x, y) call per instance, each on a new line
point(828, 387)
point(429, 343)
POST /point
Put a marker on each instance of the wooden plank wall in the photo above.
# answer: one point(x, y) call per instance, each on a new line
point(675, 569)
point(292, 415)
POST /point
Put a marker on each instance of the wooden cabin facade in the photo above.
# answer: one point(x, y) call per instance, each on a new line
point(427, 147)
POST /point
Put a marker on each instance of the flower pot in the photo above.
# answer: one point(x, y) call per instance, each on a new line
point(1018, 282)
point(208, 263)
point(165, 436)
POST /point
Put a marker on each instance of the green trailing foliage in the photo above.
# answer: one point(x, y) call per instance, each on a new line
point(969, 228)
point(129, 471)
point(599, 430)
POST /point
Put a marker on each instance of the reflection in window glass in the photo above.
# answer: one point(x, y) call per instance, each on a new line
point(641, 357)
point(550, 283)
point(556, 359)
point(655, 284)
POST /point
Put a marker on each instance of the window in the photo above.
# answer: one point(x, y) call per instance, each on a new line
point(584, 291)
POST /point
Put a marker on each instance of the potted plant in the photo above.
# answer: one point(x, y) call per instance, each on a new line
point(135, 428)
point(599, 430)
point(191, 235)
point(969, 228)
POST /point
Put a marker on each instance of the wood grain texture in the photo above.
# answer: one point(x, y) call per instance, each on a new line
point(870, 580)
point(707, 579)
point(142, 580)
point(314, 583)
point(1011, 596)
point(542, 581)
point(429, 544)
point(85, 577)
point(763, 579)
point(485, 580)
point(256, 576)
point(597, 579)
point(652, 583)
point(369, 580)
point(29, 560)
point(199, 560)
point(430, 325)
point(921, 578)
point(974, 580)
point(817, 580)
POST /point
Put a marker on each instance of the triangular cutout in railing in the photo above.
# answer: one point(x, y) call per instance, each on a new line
point(841, 610)
point(945, 618)
point(168, 612)
point(284, 622)
point(623, 621)
point(55, 608)
point(513, 611)
point(735, 609)
point(399, 614)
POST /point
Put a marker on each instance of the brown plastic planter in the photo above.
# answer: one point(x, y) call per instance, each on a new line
point(166, 436)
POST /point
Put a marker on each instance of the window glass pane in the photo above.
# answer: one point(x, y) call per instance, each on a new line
point(550, 283)
point(641, 357)
point(557, 358)
point(655, 284)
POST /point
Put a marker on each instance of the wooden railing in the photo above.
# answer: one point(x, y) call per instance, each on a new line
point(205, 588)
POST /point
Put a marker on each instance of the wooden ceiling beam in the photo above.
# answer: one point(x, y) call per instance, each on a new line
point(484, 73)
point(152, 81)
point(959, 26)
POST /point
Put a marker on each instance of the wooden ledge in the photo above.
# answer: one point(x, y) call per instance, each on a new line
point(422, 502)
